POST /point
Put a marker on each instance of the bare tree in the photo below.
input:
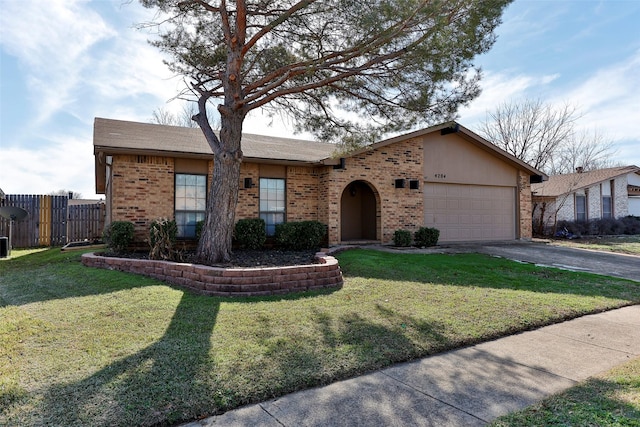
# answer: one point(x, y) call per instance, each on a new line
point(74, 195)
point(345, 70)
point(544, 136)
point(589, 150)
point(162, 116)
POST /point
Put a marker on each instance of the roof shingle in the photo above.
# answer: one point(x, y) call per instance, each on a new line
point(118, 135)
point(566, 183)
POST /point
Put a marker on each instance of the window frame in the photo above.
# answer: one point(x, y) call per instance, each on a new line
point(267, 213)
point(198, 212)
point(607, 214)
point(583, 197)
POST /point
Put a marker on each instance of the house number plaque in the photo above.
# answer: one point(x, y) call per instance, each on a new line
point(440, 175)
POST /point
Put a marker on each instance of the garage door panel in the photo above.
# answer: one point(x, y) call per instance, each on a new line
point(470, 212)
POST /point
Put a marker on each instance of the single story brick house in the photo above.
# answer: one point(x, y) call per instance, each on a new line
point(444, 176)
point(586, 195)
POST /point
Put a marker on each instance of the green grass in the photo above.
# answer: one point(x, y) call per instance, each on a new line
point(618, 244)
point(83, 346)
point(611, 399)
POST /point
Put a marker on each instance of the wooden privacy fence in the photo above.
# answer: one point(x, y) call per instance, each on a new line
point(52, 221)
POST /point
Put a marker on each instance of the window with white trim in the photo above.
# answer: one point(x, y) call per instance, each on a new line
point(272, 203)
point(190, 202)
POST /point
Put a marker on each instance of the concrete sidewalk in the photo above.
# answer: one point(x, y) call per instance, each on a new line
point(466, 387)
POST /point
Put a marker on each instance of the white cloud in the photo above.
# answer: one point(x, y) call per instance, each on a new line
point(65, 163)
point(609, 99)
point(51, 41)
point(498, 88)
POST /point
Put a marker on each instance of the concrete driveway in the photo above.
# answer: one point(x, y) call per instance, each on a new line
point(626, 266)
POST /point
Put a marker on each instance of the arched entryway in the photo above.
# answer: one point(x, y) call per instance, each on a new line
point(358, 212)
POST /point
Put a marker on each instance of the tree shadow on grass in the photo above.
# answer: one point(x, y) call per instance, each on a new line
point(345, 346)
point(157, 385)
point(175, 379)
point(594, 402)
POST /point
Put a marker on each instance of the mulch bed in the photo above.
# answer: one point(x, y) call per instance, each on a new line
point(241, 258)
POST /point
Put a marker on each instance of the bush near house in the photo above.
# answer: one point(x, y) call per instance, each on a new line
point(402, 238)
point(163, 233)
point(300, 235)
point(119, 235)
point(250, 233)
point(426, 236)
point(602, 227)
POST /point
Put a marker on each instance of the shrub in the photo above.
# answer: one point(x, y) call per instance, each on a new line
point(250, 233)
point(402, 238)
point(631, 224)
point(118, 235)
point(300, 235)
point(602, 227)
point(607, 226)
point(426, 236)
point(162, 239)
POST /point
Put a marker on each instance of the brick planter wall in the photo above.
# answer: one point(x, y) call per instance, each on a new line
point(234, 282)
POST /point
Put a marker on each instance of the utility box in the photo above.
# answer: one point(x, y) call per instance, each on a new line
point(4, 247)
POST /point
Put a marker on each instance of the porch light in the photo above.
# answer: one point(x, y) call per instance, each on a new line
point(400, 183)
point(248, 183)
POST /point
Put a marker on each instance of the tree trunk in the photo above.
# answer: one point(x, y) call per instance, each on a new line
point(217, 233)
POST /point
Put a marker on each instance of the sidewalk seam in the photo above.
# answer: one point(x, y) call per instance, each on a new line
point(434, 398)
point(270, 414)
point(589, 343)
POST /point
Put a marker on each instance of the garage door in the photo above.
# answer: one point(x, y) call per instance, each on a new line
point(470, 212)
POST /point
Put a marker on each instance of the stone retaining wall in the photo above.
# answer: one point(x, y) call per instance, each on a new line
point(230, 281)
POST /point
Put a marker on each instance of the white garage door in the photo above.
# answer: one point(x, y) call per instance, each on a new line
point(470, 212)
point(634, 206)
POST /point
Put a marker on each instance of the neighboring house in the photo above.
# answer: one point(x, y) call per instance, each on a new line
point(444, 176)
point(583, 196)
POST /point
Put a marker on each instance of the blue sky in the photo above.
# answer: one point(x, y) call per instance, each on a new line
point(65, 62)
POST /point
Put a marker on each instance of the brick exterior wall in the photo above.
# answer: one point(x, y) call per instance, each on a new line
point(594, 202)
point(142, 191)
point(397, 207)
point(525, 208)
point(303, 193)
point(249, 198)
point(620, 197)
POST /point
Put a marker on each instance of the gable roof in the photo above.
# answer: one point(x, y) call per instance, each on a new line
point(119, 136)
point(562, 184)
point(454, 127)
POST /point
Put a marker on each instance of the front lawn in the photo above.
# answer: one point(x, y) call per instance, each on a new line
point(620, 244)
point(610, 399)
point(82, 346)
